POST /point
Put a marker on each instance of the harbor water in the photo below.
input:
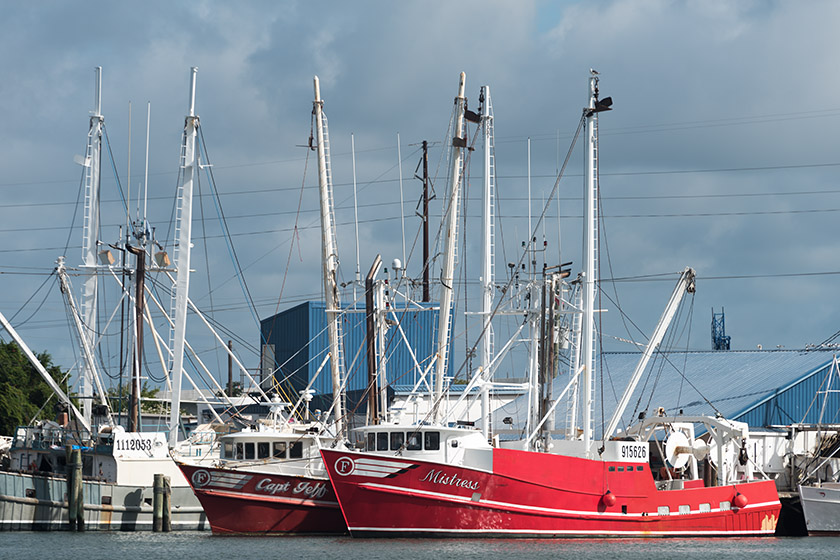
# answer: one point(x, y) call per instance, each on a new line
point(204, 546)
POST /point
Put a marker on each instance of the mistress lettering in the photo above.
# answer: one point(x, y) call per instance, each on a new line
point(440, 477)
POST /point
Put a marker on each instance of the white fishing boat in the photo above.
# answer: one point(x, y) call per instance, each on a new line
point(819, 486)
point(118, 465)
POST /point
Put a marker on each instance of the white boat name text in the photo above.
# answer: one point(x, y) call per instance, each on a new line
point(315, 491)
point(439, 477)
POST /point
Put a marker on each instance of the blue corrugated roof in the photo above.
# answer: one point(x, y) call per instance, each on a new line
point(761, 387)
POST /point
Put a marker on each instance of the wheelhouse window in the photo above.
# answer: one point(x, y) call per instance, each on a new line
point(397, 439)
point(371, 441)
point(240, 451)
point(431, 441)
point(382, 441)
point(228, 452)
point(414, 443)
point(296, 450)
point(279, 449)
point(249, 450)
point(263, 448)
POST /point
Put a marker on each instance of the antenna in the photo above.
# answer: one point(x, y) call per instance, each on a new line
point(356, 215)
point(146, 175)
point(402, 207)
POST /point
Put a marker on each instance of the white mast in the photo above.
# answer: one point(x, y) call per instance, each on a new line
point(487, 230)
point(329, 257)
point(590, 247)
point(90, 231)
point(183, 243)
point(447, 274)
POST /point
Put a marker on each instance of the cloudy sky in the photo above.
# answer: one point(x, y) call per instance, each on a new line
point(721, 152)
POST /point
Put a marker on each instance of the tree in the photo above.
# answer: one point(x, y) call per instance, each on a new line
point(154, 407)
point(23, 393)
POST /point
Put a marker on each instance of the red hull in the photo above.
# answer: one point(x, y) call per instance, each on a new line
point(242, 502)
point(536, 494)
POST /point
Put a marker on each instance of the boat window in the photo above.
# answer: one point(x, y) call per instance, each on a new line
point(725, 506)
point(263, 448)
point(296, 450)
point(620, 469)
point(240, 453)
point(640, 468)
point(249, 450)
point(371, 441)
point(612, 469)
point(663, 510)
point(685, 510)
point(431, 441)
point(280, 449)
point(228, 451)
point(397, 439)
point(382, 441)
point(705, 508)
point(414, 442)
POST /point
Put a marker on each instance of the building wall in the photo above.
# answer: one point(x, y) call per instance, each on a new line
point(800, 402)
point(300, 340)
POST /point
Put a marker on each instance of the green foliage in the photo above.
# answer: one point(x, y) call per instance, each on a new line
point(146, 392)
point(22, 390)
point(237, 390)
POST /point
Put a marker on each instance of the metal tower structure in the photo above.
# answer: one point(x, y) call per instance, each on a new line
point(719, 339)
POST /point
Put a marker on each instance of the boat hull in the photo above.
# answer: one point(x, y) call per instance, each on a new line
point(33, 502)
point(821, 508)
point(525, 494)
point(254, 503)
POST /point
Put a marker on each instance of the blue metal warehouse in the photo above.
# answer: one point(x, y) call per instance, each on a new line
point(759, 387)
point(295, 343)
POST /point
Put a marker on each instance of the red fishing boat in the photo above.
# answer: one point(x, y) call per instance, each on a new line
point(272, 480)
point(438, 478)
point(267, 482)
point(483, 491)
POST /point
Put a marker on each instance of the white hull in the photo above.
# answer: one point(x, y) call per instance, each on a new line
point(38, 503)
point(821, 507)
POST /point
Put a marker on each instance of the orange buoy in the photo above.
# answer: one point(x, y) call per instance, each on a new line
point(739, 500)
point(609, 499)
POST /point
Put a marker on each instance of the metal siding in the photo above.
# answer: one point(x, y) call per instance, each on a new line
point(801, 402)
point(289, 332)
point(304, 326)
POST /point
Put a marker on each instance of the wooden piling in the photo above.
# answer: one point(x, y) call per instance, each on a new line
point(157, 513)
point(167, 504)
point(75, 489)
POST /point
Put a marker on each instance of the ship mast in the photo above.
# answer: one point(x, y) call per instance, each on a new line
point(487, 256)
point(589, 274)
point(446, 276)
point(90, 232)
point(183, 235)
point(329, 257)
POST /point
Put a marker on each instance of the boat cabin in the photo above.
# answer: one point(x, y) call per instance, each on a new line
point(450, 443)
